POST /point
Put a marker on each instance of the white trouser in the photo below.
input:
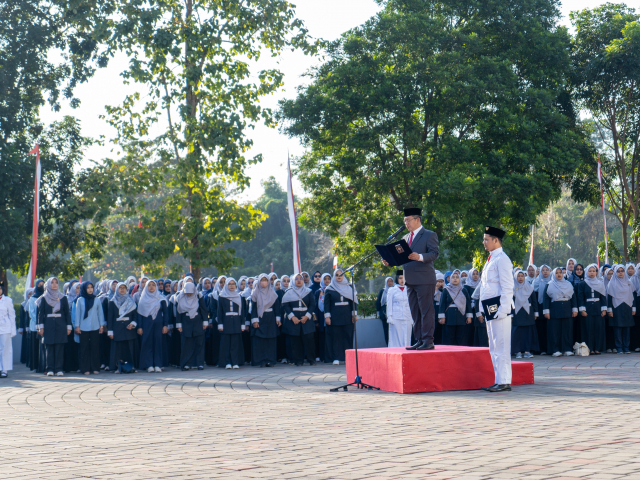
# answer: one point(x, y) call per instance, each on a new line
point(6, 352)
point(400, 333)
point(499, 332)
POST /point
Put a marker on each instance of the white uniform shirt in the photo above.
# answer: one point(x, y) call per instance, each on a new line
point(497, 280)
point(7, 316)
point(398, 305)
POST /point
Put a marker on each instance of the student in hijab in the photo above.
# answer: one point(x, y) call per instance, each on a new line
point(621, 307)
point(24, 327)
point(455, 312)
point(340, 314)
point(560, 306)
point(635, 331)
point(231, 324)
point(447, 276)
point(89, 322)
point(307, 280)
point(191, 322)
point(166, 288)
point(174, 342)
point(480, 334)
point(381, 306)
point(7, 332)
point(608, 274)
point(72, 348)
point(568, 270)
point(54, 325)
point(141, 286)
point(35, 340)
point(322, 344)
point(539, 284)
point(437, 296)
point(610, 337)
point(153, 317)
point(464, 274)
point(108, 291)
point(121, 323)
point(531, 273)
point(283, 343)
point(473, 280)
point(298, 324)
point(265, 322)
point(398, 313)
point(576, 276)
point(524, 335)
point(315, 281)
point(592, 305)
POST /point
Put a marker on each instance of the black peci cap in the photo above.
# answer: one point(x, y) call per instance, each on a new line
point(495, 232)
point(408, 212)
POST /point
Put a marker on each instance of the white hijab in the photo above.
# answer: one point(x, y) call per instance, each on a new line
point(188, 300)
point(150, 303)
point(596, 283)
point(123, 301)
point(233, 296)
point(540, 282)
point(559, 290)
point(343, 287)
point(52, 297)
point(470, 281)
point(263, 297)
point(455, 292)
point(522, 292)
point(620, 289)
point(383, 300)
point(293, 293)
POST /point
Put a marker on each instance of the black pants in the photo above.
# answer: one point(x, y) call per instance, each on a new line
point(192, 351)
point(90, 351)
point(231, 350)
point(341, 340)
point(559, 335)
point(55, 357)
point(422, 312)
point(301, 344)
point(320, 344)
point(622, 337)
point(385, 328)
point(593, 328)
point(124, 350)
point(455, 335)
point(105, 349)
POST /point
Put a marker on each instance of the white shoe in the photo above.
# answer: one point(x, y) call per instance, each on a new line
point(568, 354)
point(336, 362)
point(186, 368)
point(528, 355)
point(151, 370)
point(609, 350)
point(284, 360)
point(235, 366)
point(620, 353)
point(637, 349)
point(614, 350)
point(543, 353)
point(627, 353)
point(60, 374)
point(557, 354)
point(158, 370)
point(116, 372)
point(519, 355)
point(318, 358)
point(228, 367)
point(49, 374)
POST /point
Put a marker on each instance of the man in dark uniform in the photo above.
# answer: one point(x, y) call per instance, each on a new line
point(420, 278)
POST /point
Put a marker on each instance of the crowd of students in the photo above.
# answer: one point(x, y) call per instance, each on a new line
point(152, 324)
point(553, 309)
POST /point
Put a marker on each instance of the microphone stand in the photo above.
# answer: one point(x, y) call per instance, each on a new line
point(358, 380)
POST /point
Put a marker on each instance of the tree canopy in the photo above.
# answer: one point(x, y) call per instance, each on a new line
point(459, 107)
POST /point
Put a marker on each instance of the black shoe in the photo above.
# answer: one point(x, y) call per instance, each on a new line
point(486, 389)
point(415, 346)
point(499, 388)
point(425, 346)
point(185, 369)
point(312, 363)
point(268, 364)
point(200, 367)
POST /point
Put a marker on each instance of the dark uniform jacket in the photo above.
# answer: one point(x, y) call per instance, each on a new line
point(55, 325)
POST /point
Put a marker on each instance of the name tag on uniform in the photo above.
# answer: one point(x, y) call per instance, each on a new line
point(55, 315)
point(593, 299)
point(232, 313)
point(337, 303)
point(268, 310)
point(303, 309)
point(122, 319)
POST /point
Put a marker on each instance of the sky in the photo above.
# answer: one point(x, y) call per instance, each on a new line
point(326, 19)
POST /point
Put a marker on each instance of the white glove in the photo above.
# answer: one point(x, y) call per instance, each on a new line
point(390, 321)
point(220, 327)
point(242, 327)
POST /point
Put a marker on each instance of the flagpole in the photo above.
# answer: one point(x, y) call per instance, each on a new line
point(533, 231)
point(606, 240)
point(31, 275)
point(293, 219)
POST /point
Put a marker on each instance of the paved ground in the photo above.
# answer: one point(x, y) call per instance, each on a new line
point(581, 420)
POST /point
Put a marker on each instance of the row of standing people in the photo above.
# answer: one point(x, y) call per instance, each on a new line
point(553, 309)
point(158, 323)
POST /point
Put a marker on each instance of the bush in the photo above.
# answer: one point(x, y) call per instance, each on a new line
point(367, 304)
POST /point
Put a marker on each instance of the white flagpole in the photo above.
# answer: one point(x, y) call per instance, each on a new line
point(293, 220)
point(606, 240)
point(31, 275)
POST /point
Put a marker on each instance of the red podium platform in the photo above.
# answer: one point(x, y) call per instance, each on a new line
point(448, 367)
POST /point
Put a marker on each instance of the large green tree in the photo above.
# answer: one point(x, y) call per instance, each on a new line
point(606, 80)
point(459, 107)
point(186, 135)
point(33, 76)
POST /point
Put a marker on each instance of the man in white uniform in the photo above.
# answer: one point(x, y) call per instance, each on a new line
point(7, 332)
point(497, 282)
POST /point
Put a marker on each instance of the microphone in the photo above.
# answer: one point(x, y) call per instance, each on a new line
point(397, 232)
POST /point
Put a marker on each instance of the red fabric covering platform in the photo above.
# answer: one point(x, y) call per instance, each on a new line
point(448, 367)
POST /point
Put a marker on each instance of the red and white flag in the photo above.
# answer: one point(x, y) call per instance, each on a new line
point(606, 242)
point(293, 220)
point(31, 275)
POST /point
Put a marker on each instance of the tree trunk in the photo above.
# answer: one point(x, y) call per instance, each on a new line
point(625, 242)
point(5, 281)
